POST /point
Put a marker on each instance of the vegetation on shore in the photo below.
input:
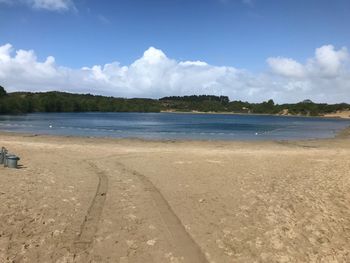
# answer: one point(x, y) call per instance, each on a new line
point(28, 102)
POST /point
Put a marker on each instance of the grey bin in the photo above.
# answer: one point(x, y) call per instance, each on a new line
point(2, 158)
point(11, 161)
point(3, 155)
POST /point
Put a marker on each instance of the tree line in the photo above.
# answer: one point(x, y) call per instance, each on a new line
point(28, 102)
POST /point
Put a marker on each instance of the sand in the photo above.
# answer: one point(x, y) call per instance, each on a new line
point(345, 114)
point(105, 200)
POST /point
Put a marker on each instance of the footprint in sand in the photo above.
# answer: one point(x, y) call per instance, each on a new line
point(151, 242)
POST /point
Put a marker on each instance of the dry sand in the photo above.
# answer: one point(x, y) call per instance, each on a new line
point(345, 114)
point(104, 200)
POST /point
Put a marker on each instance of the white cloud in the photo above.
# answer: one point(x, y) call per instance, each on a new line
point(327, 63)
point(325, 77)
point(286, 67)
point(51, 5)
point(328, 60)
point(5, 51)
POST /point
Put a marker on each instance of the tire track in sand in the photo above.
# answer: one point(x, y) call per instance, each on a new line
point(89, 226)
point(184, 244)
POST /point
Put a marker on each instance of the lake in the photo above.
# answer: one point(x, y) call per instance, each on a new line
point(164, 126)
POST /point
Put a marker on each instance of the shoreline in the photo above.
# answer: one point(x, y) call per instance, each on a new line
point(339, 116)
point(330, 116)
point(343, 133)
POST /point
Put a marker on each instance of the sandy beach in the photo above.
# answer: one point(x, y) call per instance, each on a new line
point(339, 114)
point(106, 200)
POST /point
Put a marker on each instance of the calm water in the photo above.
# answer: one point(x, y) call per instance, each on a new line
point(173, 126)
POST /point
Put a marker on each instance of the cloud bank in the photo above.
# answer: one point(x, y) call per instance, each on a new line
point(327, 63)
point(325, 77)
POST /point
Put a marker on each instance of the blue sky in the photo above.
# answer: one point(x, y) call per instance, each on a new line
point(239, 34)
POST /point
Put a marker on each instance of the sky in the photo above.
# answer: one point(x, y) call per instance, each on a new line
point(251, 50)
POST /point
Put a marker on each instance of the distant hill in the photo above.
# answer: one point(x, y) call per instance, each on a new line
point(54, 101)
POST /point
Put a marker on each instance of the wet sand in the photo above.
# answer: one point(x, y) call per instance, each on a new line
point(106, 200)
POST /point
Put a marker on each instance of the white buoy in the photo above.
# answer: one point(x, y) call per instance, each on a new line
point(50, 126)
point(256, 133)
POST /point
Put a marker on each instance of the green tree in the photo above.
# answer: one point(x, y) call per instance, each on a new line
point(2, 92)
